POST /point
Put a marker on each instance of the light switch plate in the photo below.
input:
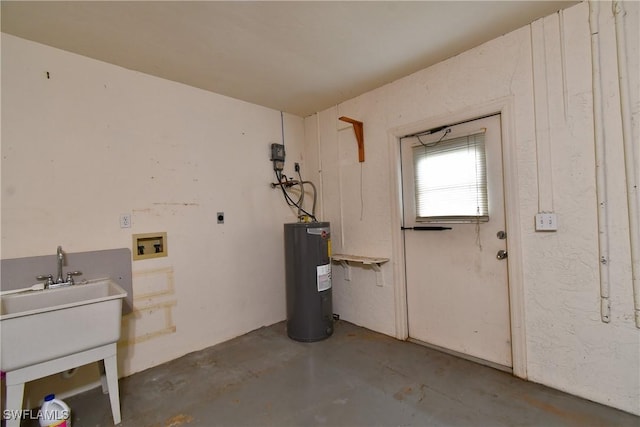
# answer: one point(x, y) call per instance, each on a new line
point(546, 222)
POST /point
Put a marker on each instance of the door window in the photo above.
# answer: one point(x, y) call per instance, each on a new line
point(451, 179)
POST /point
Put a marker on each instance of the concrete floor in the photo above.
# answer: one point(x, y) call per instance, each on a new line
point(355, 378)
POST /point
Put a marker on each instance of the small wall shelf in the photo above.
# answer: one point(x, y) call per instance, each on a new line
point(374, 262)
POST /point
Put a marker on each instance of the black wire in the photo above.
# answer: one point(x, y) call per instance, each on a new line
point(301, 201)
point(315, 192)
point(288, 198)
point(433, 144)
point(279, 178)
point(284, 182)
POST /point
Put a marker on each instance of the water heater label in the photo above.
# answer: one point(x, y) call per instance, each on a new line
point(320, 231)
point(324, 277)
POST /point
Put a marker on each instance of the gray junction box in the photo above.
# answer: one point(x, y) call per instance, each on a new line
point(307, 249)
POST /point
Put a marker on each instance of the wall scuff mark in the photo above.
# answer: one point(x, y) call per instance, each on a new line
point(153, 306)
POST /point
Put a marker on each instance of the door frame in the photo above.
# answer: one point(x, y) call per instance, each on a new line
point(506, 108)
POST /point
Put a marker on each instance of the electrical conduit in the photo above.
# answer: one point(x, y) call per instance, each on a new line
point(631, 162)
point(601, 181)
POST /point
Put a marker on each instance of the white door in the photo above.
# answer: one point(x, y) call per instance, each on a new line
point(456, 266)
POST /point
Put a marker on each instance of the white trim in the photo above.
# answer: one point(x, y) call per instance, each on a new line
point(504, 106)
point(397, 242)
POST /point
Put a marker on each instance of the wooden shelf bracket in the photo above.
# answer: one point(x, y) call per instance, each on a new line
point(359, 131)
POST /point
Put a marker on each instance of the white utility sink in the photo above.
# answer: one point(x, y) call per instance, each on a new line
point(53, 330)
point(37, 326)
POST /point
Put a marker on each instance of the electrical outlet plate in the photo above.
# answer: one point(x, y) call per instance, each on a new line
point(125, 221)
point(546, 221)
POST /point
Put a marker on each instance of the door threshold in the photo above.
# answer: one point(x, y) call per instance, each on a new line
point(468, 357)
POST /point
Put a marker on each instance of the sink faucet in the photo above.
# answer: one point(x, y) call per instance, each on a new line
point(60, 262)
point(59, 281)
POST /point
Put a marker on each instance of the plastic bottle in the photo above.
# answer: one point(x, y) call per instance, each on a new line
point(54, 413)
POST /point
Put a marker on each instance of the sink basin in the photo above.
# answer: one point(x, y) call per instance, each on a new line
point(38, 326)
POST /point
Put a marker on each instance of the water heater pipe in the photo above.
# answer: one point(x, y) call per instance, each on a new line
point(631, 153)
point(320, 170)
point(601, 176)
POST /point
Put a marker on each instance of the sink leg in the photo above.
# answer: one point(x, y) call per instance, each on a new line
point(103, 378)
point(15, 393)
point(111, 369)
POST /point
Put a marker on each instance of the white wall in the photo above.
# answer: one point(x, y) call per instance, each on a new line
point(93, 141)
point(543, 71)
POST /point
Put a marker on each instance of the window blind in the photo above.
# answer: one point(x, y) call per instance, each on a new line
point(451, 179)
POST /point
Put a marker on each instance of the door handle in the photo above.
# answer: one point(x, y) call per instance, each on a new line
point(502, 254)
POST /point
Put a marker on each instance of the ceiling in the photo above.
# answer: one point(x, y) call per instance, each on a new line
point(295, 56)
